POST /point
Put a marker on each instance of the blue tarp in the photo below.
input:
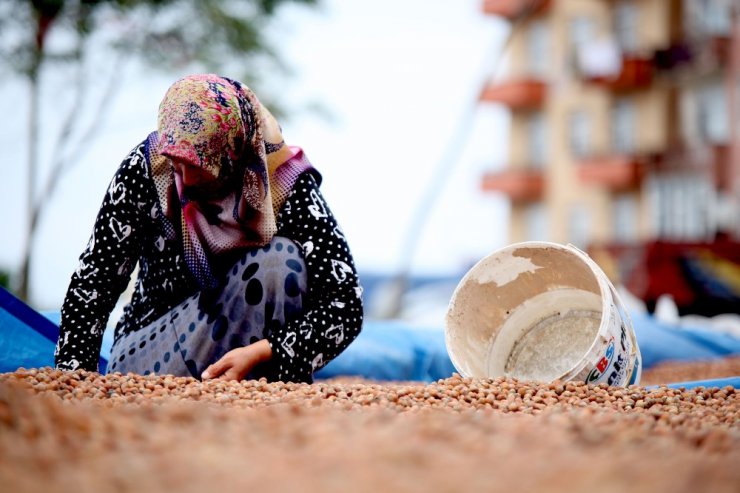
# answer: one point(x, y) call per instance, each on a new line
point(717, 382)
point(27, 338)
point(393, 350)
point(384, 350)
point(660, 342)
point(397, 351)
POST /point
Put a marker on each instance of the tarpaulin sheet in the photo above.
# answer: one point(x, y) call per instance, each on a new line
point(27, 338)
point(384, 350)
point(661, 342)
point(717, 382)
point(393, 350)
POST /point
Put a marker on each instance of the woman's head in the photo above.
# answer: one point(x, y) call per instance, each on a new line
point(220, 167)
point(205, 123)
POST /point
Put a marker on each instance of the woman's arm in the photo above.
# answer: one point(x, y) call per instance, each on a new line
point(333, 307)
point(105, 266)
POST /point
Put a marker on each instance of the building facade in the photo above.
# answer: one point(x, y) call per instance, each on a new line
point(625, 120)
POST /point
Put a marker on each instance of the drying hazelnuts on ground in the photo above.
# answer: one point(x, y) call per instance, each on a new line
point(82, 431)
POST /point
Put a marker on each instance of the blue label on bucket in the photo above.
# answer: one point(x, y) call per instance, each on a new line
point(620, 367)
point(603, 364)
point(613, 367)
point(635, 370)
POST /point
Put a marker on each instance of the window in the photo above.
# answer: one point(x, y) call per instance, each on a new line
point(623, 126)
point(712, 115)
point(580, 133)
point(579, 226)
point(581, 35)
point(536, 222)
point(625, 26)
point(711, 17)
point(537, 48)
point(581, 31)
point(684, 207)
point(625, 217)
point(537, 140)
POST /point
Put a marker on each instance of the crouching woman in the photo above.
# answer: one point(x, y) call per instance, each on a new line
point(243, 269)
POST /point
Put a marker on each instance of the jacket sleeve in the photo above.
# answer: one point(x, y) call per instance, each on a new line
point(332, 315)
point(104, 268)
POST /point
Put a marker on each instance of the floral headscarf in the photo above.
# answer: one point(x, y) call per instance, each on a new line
point(221, 169)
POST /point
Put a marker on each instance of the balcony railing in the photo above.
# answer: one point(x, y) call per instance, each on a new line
point(512, 9)
point(619, 172)
point(634, 73)
point(695, 58)
point(711, 160)
point(517, 94)
point(613, 172)
point(519, 184)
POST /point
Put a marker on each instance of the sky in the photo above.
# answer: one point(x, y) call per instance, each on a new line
point(401, 151)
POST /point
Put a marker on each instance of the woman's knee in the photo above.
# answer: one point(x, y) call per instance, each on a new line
point(274, 267)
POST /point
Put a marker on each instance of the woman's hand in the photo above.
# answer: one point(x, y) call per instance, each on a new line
point(237, 363)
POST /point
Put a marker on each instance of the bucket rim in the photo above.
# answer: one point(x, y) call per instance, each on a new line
point(601, 279)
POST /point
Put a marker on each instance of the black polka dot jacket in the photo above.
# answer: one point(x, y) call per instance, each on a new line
point(128, 230)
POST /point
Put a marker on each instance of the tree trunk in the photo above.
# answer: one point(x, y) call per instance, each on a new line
point(33, 138)
point(44, 20)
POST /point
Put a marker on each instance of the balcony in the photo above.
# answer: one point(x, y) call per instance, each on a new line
point(517, 95)
point(613, 172)
point(618, 172)
point(513, 9)
point(519, 184)
point(711, 160)
point(695, 58)
point(724, 172)
point(634, 73)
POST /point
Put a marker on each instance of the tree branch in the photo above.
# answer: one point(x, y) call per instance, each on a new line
point(66, 161)
point(104, 103)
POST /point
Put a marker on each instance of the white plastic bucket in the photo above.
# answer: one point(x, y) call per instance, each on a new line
point(541, 311)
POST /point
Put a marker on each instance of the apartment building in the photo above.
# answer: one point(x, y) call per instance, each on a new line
point(625, 120)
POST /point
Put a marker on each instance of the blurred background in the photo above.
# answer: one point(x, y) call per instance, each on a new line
point(444, 130)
